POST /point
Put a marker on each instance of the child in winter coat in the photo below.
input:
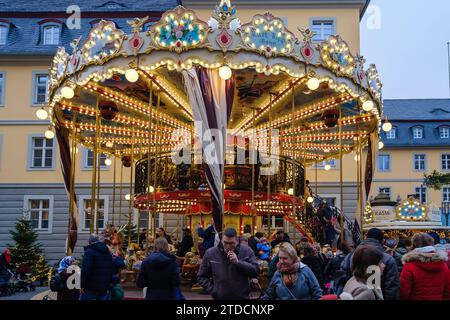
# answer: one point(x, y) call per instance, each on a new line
point(263, 248)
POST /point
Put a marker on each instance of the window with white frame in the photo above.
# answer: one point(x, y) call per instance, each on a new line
point(446, 194)
point(384, 162)
point(331, 162)
point(385, 190)
point(40, 88)
point(392, 134)
point(2, 88)
point(445, 162)
point(421, 194)
point(418, 133)
point(99, 216)
point(324, 28)
point(276, 222)
point(419, 162)
point(42, 153)
point(3, 34)
point(51, 35)
point(444, 132)
point(39, 210)
point(88, 159)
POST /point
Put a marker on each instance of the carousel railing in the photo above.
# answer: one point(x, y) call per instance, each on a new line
point(182, 177)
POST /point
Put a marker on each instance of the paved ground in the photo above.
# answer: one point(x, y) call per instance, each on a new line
point(25, 295)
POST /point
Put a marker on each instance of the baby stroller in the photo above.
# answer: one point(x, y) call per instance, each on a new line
point(6, 283)
point(22, 279)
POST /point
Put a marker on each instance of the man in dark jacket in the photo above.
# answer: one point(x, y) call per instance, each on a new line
point(226, 269)
point(208, 235)
point(253, 241)
point(390, 280)
point(97, 270)
point(186, 243)
point(280, 237)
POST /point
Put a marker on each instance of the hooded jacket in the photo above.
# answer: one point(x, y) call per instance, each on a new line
point(360, 291)
point(160, 273)
point(225, 280)
point(97, 269)
point(390, 280)
point(425, 276)
point(306, 287)
point(208, 235)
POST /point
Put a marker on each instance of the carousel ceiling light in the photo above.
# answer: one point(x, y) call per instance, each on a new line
point(310, 199)
point(387, 126)
point(109, 144)
point(313, 84)
point(42, 114)
point(132, 75)
point(108, 162)
point(327, 167)
point(225, 72)
point(291, 191)
point(151, 189)
point(368, 105)
point(380, 145)
point(49, 134)
point(67, 92)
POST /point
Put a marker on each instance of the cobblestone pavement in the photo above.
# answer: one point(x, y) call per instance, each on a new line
point(24, 295)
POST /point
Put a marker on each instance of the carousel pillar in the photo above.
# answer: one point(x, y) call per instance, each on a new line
point(341, 177)
point(158, 104)
point(99, 163)
point(294, 168)
point(150, 129)
point(360, 190)
point(269, 222)
point(94, 169)
point(114, 189)
point(130, 202)
point(120, 193)
point(252, 155)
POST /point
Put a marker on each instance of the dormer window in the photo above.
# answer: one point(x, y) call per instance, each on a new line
point(417, 133)
point(4, 28)
point(444, 132)
point(51, 35)
point(391, 134)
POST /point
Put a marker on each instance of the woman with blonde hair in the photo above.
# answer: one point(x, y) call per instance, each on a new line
point(293, 280)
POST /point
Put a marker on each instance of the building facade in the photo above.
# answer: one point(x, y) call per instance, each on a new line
point(418, 144)
point(31, 182)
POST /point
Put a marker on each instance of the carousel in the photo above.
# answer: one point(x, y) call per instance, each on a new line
point(214, 119)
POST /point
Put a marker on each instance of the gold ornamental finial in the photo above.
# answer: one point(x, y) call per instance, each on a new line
point(137, 23)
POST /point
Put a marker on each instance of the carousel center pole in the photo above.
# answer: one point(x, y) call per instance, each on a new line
point(130, 202)
point(150, 129)
point(94, 170)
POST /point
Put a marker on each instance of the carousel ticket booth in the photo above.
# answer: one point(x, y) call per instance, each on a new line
point(215, 119)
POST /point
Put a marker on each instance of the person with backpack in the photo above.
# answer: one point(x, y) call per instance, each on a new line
point(97, 270)
point(60, 280)
point(334, 271)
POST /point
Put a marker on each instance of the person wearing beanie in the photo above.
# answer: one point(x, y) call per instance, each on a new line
point(390, 279)
point(439, 246)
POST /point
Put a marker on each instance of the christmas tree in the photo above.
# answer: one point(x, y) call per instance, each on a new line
point(130, 231)
point(27, 251)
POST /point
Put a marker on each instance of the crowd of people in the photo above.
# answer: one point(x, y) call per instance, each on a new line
point(376, 269)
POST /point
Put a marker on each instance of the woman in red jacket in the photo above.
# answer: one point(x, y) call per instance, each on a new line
point(425, 275)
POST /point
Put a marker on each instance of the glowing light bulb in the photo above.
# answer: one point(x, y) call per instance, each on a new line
point(67, 92)
point(387, 126)
point(291, 191)
point(108, 162)
point(151, 189)
point(128, 197)
point(109, 144)
point(310, 199)
point(368, 105)
point(327, 167)
point(380, 145)
point(131, 75)
point(225, 72)
point(42, 114)
point(313, 84)
point(49, 134)
point(76, 150)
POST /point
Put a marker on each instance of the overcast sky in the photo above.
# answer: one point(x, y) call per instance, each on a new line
point(407, 40)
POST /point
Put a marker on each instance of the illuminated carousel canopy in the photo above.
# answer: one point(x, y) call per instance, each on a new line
point(303, 89)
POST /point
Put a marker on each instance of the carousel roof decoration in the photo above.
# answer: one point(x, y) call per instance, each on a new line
point(271, 65)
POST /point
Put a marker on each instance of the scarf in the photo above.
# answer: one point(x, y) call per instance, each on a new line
point(65, 263)
point(289, 273)
point(7, 257)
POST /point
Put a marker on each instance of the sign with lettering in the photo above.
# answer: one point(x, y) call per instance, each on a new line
point(384, 213)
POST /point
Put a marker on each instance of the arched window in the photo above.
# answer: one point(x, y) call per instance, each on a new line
point(51, 35)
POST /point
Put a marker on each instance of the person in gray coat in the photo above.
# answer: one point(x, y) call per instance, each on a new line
point(226, 269)
point(390, 279)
